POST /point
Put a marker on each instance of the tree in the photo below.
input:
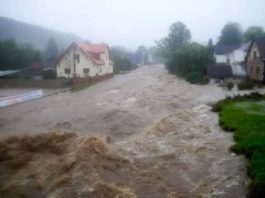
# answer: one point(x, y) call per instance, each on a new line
point(178, 36)
point(142, 53)
point(253, 32)
point(231, 34)
point(14, 57)
point(210, 44)
point(121, 60)
point(52, 51)
point(190, 61)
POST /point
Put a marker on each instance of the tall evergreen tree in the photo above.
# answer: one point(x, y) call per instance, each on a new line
point(210, 44)
point(52, 51)
point(231, 34)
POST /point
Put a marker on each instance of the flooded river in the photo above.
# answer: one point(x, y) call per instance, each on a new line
point(161, 123)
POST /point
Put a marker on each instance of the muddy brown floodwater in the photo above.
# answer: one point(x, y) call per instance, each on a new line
point(159, 122)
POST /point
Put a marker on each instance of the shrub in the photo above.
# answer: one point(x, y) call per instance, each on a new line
point(245, 85)
point(49, 74)
point(194, 78)
point(230, 85)
point(205, 80)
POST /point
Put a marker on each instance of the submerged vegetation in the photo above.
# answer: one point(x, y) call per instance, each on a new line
point(245, 116)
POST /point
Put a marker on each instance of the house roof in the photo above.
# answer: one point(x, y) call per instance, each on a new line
point(225, 49)
point(219, 71)
point(260, 42)
point(93, 51)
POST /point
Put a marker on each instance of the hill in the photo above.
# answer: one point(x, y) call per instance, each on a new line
point(34, 35)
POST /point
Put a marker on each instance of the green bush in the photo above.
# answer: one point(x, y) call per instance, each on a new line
point(246, 85)
point(230, 85)
point(245, 116)
point(194, 78)
point(205, 80)
point(49, 74)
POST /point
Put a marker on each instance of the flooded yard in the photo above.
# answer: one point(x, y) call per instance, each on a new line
point(160, 123)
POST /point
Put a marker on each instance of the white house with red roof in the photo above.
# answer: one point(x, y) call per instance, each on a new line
point(86, 60)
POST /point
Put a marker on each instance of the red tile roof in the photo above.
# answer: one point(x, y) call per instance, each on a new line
point(93, 51)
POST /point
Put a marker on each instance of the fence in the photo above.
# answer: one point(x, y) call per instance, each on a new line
point(15, 83)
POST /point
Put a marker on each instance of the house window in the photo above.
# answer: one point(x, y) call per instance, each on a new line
point(100, 70)
point(77, 58)
point(86, 71)
point(67, 71)
point(255, 55)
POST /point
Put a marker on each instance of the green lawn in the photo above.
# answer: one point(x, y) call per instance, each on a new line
point(246, 118)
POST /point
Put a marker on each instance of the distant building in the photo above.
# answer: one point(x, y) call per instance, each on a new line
point(231, 54)
point(230, 59)
point(86, 60)
point(256, 60)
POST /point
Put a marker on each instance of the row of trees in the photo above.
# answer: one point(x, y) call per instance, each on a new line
point(184, 58)
point(14, 57)
point(120, 57)
point(232, 34)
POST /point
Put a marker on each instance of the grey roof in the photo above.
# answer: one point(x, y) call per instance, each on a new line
point(219, 71)
point(225, 49)
point(260, 42)
point(8, 72)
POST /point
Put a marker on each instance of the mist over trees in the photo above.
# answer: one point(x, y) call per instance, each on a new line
point(182, 57)
point(253, 32)
point(231, 34)
point(34, 35)
point(52, 50)
point(178, 35)
point(120, 57)
point(13, 57)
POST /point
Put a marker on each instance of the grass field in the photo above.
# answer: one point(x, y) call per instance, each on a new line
point(246, 118)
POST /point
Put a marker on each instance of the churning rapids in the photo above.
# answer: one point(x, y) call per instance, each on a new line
point(161, 123)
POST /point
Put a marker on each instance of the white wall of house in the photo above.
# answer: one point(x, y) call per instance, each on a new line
point(85, 67)
point(234, 57)
point(220, 58)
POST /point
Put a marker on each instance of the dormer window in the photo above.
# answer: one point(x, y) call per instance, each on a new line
point(255, 55)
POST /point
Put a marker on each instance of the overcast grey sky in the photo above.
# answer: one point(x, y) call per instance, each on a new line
point(135, 22)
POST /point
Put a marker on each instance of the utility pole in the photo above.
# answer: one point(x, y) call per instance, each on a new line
point(74, 61)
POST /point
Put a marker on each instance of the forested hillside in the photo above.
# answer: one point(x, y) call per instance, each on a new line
point(36, 36)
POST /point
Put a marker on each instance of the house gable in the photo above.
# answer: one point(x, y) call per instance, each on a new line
point(255, 59)
point(90, 60)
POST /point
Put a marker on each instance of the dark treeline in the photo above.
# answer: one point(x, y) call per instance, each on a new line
point(14, 57)
point(232, 34)
point(188, 59)
point(183, 57)
point(123, 60)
